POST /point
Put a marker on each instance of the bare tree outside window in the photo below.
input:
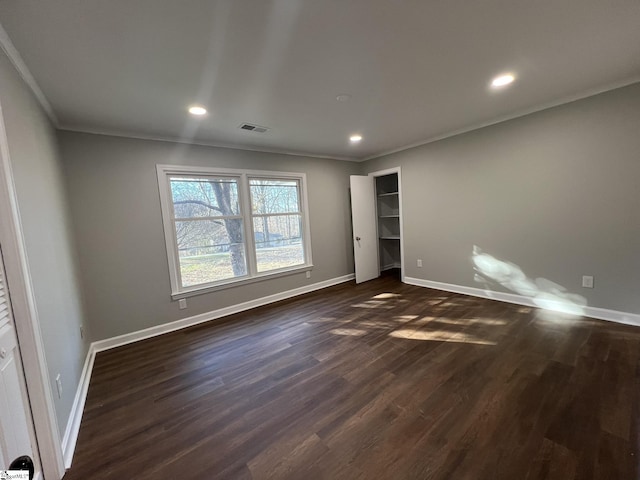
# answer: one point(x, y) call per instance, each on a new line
point(277, 223)
point(209, 230)
point(216, 218)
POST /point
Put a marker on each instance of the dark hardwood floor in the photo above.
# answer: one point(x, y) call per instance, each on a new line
point(376, 381)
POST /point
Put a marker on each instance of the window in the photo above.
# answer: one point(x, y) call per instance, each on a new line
point(224, 227)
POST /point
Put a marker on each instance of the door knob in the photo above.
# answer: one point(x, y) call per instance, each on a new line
point(357, 239)
point(23, 463)
point(3, 353)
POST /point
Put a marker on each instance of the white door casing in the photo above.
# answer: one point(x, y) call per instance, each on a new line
point(365, 235)
point(25, 320)
point(17, 436)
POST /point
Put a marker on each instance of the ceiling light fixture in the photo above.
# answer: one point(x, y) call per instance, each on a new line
point(197, 110)
point(343, 97)
point(502, 80)
point(355, 138)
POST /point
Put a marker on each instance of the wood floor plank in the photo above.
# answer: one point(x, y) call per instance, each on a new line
point(379, 380)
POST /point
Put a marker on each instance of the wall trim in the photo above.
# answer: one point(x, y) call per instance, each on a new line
point(109, 343)
point(14, 57)
point(592, 312)
point(73, 426)
point(72, 430)
point(199, 142)
point(521, 113)
point(75, 418)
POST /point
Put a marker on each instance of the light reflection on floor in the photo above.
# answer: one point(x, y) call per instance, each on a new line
point(373, 304)
point(439, 336)
point(471, 321)
point(416, 327)
point(382, 296)
point(351, 332)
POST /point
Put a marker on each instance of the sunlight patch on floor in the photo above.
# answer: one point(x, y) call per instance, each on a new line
point(376, 324)
point(424, 320)
point(439, 336)
point(470, 321)
point(382, 296)
point(349, 332)
point(324, 320)
point(404, 318)
point(373, 304)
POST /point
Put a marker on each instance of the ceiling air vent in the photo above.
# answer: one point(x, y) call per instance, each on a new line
point(253, 128)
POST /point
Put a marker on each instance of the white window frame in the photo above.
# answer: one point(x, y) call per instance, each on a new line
point(243, 176)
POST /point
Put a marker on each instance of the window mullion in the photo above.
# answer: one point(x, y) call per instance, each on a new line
point(278, 254)
point(249, 241)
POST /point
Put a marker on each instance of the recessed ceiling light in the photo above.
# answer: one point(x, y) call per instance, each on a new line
point(197, 110)
point(343, 97)
point(355, 138)
point(503, 80)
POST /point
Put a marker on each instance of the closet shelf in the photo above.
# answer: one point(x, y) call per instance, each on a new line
point(387, 194)
point(390, 237)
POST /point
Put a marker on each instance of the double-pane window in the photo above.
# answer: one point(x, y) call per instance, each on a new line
point(223, 227)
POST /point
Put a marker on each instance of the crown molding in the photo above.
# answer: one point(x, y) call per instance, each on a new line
point(521, 113)
point(16, 60)
point(202, 143)
point(14, 57)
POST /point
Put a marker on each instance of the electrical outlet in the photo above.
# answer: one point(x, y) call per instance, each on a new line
point(308, 273)
point(182, 303)
point(587, 281)
point(59, 386)
point(419, 262)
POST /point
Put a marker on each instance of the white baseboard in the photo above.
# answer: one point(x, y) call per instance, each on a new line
point(592, 312)
point(118, 341)
point(73, 425)
point(613, 315)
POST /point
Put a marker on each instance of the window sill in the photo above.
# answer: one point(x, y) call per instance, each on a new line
point(200, 290)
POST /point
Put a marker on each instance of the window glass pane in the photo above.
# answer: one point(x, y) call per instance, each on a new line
point(208, 211)
point(278, 241)
point(204, 196)
point(274, 196)
point(210, 250)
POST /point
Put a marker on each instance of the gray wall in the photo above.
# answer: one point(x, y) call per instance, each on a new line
point(45, 223)
point(115, 206)
point(556, 192)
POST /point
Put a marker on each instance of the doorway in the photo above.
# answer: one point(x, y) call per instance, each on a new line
point(376, 212)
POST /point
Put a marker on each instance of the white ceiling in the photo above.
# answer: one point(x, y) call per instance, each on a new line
point(416, 70)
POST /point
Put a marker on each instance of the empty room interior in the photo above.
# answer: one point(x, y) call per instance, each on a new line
point(298, 239)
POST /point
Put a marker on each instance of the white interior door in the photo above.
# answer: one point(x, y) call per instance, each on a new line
point(365, 235)
point(17, 436)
